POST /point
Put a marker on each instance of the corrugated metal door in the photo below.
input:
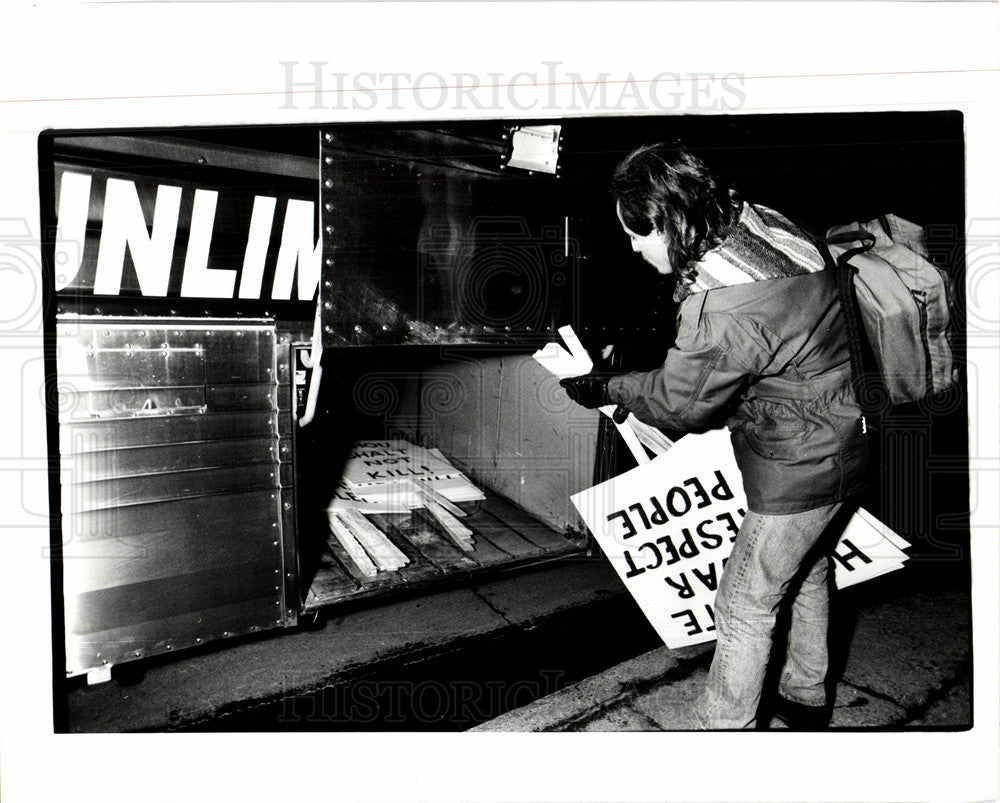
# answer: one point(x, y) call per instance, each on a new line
point(171, 498)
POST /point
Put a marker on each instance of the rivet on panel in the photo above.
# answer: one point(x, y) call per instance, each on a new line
point(328, 183)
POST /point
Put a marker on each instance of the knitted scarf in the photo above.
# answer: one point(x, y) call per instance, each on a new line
point(761, 245)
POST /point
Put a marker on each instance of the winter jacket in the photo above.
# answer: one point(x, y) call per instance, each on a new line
point(771, 359)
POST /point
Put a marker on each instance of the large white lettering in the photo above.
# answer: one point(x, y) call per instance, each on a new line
point(74, 203)
point(199, 280)
point(297, 248)
point(124, 224)
point(258, 240)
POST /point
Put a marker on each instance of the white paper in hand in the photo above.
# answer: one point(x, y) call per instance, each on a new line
point(562, 363)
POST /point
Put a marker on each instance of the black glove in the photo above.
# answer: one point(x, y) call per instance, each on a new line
point(589, 390)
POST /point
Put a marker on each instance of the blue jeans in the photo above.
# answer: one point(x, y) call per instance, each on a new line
point(770, 552)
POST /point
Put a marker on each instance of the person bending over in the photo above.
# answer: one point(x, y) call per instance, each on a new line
point(761, 345)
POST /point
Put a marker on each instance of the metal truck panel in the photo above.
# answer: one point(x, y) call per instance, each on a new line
point(172, 524)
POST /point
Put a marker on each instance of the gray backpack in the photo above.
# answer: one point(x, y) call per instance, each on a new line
point(905, 305)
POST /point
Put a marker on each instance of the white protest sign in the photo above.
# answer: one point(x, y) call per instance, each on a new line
point(867, 549)
point(668, 528)
point(375, 462)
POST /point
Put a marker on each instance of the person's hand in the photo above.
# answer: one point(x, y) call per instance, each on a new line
point(589, 390)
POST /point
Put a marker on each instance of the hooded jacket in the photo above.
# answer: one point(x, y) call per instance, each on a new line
point(770, 358)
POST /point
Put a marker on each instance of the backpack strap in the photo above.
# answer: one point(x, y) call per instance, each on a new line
point(865, 240)
point(856, 340)
point(868, 387)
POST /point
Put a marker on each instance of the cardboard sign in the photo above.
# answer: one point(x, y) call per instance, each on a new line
point(668, 528)
point(867, 549)
point(376, 462)
point(393, 476)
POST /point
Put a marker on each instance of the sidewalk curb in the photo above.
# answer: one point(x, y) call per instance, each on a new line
point(589, 699)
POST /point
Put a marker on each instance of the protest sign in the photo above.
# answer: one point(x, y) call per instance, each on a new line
point(668, 528)
point(376, 462)
point(867, 549)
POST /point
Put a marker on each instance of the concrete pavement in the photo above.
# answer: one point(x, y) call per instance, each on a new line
point(215, 687)
point(907, 666)
point(529, 651)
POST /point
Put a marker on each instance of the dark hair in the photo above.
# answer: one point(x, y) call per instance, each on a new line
point(664, 187)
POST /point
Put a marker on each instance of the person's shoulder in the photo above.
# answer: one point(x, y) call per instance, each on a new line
point(782, 289)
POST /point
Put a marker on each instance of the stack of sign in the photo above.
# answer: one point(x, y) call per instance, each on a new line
point(396, 476)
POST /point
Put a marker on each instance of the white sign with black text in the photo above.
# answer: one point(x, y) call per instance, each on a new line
point(668, 528)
